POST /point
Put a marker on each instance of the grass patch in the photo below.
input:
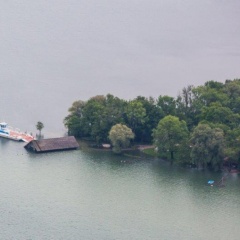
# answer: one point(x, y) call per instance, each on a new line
point(132, 156)
point(150, 152)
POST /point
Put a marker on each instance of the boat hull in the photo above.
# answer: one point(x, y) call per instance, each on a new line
point(17, 136)
point(10, 137)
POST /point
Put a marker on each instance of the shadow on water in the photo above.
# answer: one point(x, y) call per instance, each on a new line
point(162, 170)
point(127, 158)
point(158, 169)
point(105, 157)
point(4, 141)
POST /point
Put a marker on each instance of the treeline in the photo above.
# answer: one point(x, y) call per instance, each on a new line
point(212, 109)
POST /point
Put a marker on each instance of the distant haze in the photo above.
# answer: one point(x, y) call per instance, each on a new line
point(55, 52)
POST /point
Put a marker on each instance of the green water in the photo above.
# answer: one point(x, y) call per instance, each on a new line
point(88, 194)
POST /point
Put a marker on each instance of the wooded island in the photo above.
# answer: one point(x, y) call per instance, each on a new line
point(201, 126)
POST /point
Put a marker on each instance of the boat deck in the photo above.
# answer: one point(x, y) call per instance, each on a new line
point(20, 136)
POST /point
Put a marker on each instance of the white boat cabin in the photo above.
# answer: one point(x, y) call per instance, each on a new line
point(3, 127)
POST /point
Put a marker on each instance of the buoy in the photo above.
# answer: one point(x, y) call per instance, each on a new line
point(210, 182)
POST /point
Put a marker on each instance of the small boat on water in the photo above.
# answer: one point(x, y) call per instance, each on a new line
point(17, 135)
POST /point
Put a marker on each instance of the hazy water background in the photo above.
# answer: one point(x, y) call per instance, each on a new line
point(55, 52)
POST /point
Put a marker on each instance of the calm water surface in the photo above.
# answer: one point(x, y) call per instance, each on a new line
point(55, 52)
point(95, 195)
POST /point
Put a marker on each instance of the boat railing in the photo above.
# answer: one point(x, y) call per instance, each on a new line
point(17, 130)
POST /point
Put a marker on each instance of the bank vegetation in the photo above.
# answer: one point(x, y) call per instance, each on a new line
point(200, 127)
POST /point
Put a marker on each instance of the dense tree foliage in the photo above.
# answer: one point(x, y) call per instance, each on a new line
point(135, 115)
point(151, 119)
point(94, 118)
point(212, 109)
point(120, 136)
point(39, 127)
point(207, 146)
point(171, 136)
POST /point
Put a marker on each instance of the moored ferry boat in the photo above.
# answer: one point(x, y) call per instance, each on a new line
point(16, 135)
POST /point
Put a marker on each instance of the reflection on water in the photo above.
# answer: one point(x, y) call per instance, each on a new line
point(98, 195)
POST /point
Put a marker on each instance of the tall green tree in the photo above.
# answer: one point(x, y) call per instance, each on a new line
point(214, 85)
point(39, 127)
point(120, 136)
point(113, 113)
point(167, 104)
point(232, 89)
point(207, 146)
point(101, 113)
point(206, 95)
point(153, 115)
point(93, 118)
point(171, 136)
point(187, 107)
point(232, 150)
point(216, 113)
point(135, 117)
point(77, 108)
point(74, 120)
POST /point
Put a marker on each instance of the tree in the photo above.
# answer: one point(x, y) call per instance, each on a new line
point(207, 95)
point(216, 113)
point(74, 121)
point(214, 84)
point(232, 89)
point(39, 127)
point(94, 113)
point(187, 108)
point(135, 117)
point(120, 136)
point(74, 125)
point(77, 108)
point(94, 118)
point(207, 146)
point(232, 150)
point(167, 104)
point(152, 118)
point(214, 103)
point(170, 136)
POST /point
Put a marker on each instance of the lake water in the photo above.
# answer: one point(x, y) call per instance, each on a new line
point(55, 52)
point(87, 194)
